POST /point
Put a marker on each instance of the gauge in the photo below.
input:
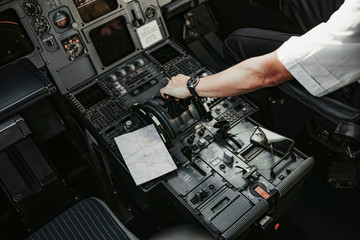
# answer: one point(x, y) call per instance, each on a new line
point(73, 47)
point(61, 19)
point(31, 8)
point(40, 25)
point(150, 12)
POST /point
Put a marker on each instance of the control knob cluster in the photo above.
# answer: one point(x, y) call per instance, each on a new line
point(113, 79)
point(116, 77)
point(131, 67)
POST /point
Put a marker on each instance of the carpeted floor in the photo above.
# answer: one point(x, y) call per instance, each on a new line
point(322, 213)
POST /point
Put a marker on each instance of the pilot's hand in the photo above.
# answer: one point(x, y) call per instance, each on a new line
point(177, 87)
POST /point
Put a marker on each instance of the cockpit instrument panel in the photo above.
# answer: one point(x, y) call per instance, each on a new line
point(81, 39)
point(109, 59)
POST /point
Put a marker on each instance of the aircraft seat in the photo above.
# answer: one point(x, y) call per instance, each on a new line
point(334, 123)
point(89, 219)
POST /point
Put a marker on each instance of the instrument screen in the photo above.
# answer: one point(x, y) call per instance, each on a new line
point(14, 41)
point(112, 41)
point(90, 96)
point(165, 54)
point(92, 9)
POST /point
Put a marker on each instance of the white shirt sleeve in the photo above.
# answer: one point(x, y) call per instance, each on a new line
point(328, 56)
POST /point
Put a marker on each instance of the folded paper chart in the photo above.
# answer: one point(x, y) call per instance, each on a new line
point(145, 154)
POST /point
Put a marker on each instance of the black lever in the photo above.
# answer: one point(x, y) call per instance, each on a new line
point(223, 128)
point(176, 106)
point(188, 154)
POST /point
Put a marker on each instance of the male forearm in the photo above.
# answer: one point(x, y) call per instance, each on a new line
point(247, 76)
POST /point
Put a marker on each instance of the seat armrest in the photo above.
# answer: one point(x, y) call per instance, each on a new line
point(330, 106)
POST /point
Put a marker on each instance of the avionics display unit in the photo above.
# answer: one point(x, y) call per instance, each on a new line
point(17, 38)
point(17, 43)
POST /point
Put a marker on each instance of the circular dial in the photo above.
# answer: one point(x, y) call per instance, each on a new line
point(31, 8)
point(150, 12)
point(40, 25)
point(61, 19)
point(73, 47)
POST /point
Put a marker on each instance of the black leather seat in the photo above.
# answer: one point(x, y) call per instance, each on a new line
point(334, 106)
point(339, 111)
point(91, 218)
point(335, 125)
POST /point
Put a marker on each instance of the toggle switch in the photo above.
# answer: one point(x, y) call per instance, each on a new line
point(201, 194)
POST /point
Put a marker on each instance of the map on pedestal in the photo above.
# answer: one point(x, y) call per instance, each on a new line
point(145, 154)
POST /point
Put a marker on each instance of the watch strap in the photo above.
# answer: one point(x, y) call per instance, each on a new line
point(191, 84)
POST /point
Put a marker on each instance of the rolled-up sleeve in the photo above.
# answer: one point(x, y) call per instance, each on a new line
point(327, 57)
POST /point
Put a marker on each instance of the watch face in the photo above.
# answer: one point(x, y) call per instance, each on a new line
point(193, 81)
point(191, 84)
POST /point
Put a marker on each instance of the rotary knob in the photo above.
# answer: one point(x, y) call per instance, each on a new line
point(121, 72)
point(129, 124)
point(131, 67)
point(228, 158)
point(112, 77)
point(201, 142)
point(139, 62)
point(119, 87)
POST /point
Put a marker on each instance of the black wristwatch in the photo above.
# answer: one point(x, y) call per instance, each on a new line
point(191, 84)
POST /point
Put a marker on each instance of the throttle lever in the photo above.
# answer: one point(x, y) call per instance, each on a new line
point(176, 106)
